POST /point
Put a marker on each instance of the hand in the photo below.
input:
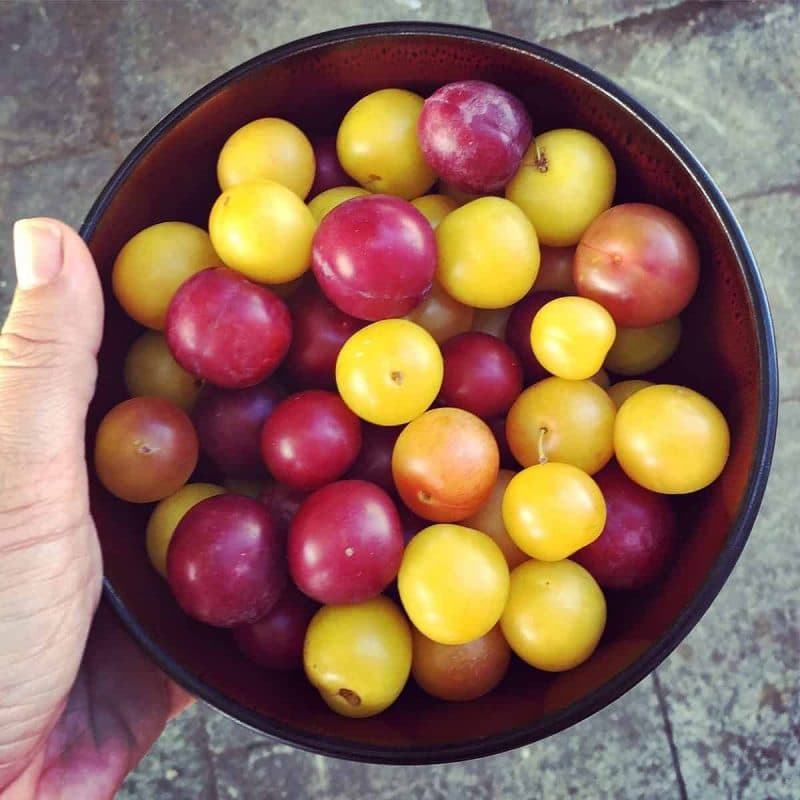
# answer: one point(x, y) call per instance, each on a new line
point(79, 703)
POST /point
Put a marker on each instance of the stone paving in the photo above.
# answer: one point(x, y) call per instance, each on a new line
point(81, 82)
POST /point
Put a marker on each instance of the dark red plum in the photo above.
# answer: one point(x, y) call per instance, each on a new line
point(276, 640)
point(481, 374)
point(374, 257)
point(310, 439)
point(319, 330)
point(329, 172)
point(374, 462)
point(229, 423)
point(345, 543)
point(282, 502)
point(498, 428)
point(518, 333)
point(227, 330)
point(638, 538)
point(226, 563)
point(474, 135)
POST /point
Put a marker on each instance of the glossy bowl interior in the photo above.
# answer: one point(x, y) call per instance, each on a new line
point(727, 352)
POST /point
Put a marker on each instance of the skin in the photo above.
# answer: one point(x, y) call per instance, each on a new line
point(81, 704)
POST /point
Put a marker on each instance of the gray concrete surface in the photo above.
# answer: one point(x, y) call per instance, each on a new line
point(721, 718)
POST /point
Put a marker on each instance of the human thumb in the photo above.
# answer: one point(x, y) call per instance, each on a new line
point(48, 348)
point(49, 556)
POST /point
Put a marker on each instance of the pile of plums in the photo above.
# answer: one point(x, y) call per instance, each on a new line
point(394, 349)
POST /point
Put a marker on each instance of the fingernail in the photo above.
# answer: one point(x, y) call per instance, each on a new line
point(38, 252)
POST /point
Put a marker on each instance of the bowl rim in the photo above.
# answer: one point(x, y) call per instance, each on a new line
point(635, 672)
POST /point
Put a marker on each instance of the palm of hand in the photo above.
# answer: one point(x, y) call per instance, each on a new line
point(75, 716)
point(118, 704)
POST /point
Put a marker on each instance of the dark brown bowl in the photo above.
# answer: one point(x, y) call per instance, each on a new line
point(728, 352)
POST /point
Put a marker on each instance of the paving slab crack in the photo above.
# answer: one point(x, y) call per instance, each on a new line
point(60, 155)
point(662, 704)
point(642, 15)
point(682, 11)
point(787, 188)
point(212, 767)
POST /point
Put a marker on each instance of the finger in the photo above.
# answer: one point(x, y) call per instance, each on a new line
point(49, 556)
point(48, 348)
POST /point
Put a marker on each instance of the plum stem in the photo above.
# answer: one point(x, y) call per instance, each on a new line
point(541, 158)
point(349, 697)
point(542, 454)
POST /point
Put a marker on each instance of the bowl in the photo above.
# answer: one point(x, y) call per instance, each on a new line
point(727, 352)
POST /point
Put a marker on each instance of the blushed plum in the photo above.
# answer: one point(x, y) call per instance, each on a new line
point(145, 449)
point(441, 315)
point(555, 270)
point(445, 464)
point(638, 261)
point(460, 672)
point(151, 371)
